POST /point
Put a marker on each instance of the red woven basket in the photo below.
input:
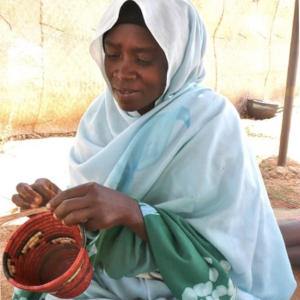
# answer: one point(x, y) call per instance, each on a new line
point(43, 255)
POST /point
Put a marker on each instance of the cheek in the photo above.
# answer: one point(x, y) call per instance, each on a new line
point(155, 79)
point(160, 81)
point(163, 79)
point(107, 68)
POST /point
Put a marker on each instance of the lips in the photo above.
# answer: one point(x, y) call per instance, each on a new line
point(127, 98)
point(124, 91)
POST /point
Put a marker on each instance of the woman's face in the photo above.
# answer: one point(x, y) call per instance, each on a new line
point(136, 67)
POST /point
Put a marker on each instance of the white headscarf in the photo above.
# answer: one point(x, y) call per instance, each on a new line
point(180, 33)
point(187, 155)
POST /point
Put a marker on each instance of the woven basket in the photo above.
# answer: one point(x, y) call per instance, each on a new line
point(43, 255)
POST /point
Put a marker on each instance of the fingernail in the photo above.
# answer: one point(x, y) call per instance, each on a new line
point(55, 217)
point(48, 205)
point(37, 200)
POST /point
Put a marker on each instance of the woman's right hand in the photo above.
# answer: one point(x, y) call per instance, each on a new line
point(36, 194)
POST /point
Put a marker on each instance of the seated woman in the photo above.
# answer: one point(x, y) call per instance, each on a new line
point(161, 173)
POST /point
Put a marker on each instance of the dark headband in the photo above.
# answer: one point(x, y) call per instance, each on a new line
point(130, 13)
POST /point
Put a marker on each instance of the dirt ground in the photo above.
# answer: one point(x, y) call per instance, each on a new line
point(282, 183)
point(283, 186)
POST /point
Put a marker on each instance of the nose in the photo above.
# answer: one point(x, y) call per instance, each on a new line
point(125, 71)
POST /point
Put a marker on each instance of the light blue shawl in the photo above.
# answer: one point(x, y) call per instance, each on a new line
point(187, 155)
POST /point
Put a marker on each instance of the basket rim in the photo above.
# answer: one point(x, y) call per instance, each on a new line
point(78, 262)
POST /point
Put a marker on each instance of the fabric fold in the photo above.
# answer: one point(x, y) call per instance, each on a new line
point(190, 265)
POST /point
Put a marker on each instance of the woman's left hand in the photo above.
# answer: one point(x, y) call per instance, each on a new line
point(98, 208)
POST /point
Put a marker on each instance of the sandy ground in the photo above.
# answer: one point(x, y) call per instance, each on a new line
point(25, 161)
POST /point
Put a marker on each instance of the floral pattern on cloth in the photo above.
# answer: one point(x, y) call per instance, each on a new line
point(212, 268)
point(205, 291)
point(190, 266)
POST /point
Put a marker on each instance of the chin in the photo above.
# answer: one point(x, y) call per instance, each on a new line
point(127, 107)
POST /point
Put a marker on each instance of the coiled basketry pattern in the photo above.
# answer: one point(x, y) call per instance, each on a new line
point(43, 255)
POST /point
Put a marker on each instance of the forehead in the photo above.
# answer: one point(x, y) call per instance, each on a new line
point(131, 35)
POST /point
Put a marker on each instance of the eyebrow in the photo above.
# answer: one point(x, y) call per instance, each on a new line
point(136, 49)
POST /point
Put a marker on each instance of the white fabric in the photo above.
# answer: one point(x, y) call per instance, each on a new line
point(187, 155)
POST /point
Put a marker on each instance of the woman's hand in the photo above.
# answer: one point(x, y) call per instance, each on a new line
point(36, 194)
point(98, 208)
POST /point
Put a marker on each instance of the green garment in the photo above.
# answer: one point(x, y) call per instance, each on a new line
point(190, 266)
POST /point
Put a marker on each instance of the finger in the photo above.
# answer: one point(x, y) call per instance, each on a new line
point(28, 194)
point(92, 224)
point(49, 184)
point(20, 202)
point(54, 187)
point(44, 190)
point(79, 216)
point(75, 192)
point(69, 205)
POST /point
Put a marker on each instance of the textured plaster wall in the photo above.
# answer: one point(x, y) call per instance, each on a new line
point(47, 78)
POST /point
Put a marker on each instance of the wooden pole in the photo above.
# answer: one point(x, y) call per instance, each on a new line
point(290, 87)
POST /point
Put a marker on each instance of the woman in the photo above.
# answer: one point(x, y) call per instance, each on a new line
point(161, 172)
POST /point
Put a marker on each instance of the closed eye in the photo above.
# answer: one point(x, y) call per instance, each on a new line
point(112, 56)
point(143, 62)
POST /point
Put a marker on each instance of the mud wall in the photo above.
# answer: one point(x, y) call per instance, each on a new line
point(47, 78)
